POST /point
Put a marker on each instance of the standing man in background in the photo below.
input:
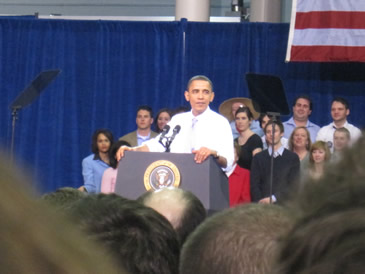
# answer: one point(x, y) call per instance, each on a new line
point(143, 133)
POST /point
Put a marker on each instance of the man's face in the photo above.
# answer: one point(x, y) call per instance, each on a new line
point(340, 141)
point(301, 110)
point(144, 119)
point(235, 106)
point(339, 112)
point(277, 136)
point(199, 95)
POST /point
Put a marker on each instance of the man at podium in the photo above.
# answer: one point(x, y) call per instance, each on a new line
point(200, 131)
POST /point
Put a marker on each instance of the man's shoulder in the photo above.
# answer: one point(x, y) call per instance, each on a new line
point(326, 127)
point(311, 124)
point(352, 127)
point(289, 122)
point(128, 135)
point(290, 154)
point(262, 154)
point(153, 134)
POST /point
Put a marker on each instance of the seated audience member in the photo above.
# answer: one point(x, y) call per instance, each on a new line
point(319, 157)
point(36, 239)
point(109, 178)
point(143, 133)
point(228, 109)
point(340, 109)
point(95, 164)
point(63, 198)
point(239, 182)
point(327, 237)
point(300, 143)
point(302, 109)
point(182, 208)
point(341, 141)
point(249, 142)
point(137, 236)
point(263, 120)
point(243, 239)
point(162, 118)
point(285, 168)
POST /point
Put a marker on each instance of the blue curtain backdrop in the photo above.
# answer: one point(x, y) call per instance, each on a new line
point(109, 68)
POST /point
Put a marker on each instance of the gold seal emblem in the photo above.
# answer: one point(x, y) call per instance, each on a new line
point(161, 174)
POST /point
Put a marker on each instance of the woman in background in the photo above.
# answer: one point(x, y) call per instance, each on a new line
point(250, 143)
point(110, 174)
point(94, 165)
point(162, 118)
point(300, 143)
point(319, 157)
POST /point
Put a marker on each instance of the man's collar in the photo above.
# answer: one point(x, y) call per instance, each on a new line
point(278, 152)
point(344, 125)
point(291, 121)
point(201, 115)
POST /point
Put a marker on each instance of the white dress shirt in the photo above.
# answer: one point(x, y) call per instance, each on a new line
point(326, 134)
point(210, 130)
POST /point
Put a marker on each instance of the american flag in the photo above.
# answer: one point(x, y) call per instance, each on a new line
point(327, 31)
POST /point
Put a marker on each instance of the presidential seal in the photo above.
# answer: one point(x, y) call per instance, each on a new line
point(161, 174)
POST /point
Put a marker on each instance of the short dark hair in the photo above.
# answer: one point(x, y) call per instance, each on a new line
point(244, 110)
point(141, 239)
point(243, 239)
point(94, 139)
point(342, 101)
point(63, 198)
point(113, 151)
point(146, 108)
point(306, 97)
point(199, 77)
point(276, 122)
point(193, 210)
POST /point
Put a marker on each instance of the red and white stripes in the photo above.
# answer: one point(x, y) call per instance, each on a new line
point(327, 31)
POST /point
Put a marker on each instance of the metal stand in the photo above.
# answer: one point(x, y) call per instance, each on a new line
point(14, 115)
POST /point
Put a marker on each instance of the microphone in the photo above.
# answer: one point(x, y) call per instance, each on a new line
point(175, 131)
point(165, 130)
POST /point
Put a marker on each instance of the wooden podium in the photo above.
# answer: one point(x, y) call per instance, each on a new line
point(206, 180)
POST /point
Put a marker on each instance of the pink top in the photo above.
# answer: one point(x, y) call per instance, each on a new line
point(108, 181)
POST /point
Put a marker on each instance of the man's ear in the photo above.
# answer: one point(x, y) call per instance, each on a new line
point(211, 97)
point(187, 95)
point(348, 112)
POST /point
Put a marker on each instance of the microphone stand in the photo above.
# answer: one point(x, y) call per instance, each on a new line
point(14, 115)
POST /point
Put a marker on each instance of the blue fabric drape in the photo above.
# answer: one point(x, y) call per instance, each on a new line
point(109, 68)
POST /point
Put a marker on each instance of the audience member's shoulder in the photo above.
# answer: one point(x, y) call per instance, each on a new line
point(88, 158)
point(291, 154)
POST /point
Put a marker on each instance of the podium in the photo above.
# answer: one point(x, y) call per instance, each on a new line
point(206, 180)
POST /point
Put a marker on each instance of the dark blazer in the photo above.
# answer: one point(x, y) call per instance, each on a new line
point(132, 137)
point(286, 175)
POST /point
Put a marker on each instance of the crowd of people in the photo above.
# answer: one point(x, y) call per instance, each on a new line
point(289, 212)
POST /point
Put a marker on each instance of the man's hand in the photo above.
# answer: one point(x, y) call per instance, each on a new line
point(265, 200)
point(202, 154)
point(120, 152)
